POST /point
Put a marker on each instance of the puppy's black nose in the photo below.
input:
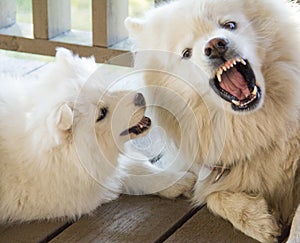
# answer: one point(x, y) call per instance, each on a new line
point(216, 47)
point(139, 100)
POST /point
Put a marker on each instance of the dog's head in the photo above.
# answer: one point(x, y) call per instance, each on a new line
point(83, 111)
point(111, 119)
point(233, 42)
point(122, 114)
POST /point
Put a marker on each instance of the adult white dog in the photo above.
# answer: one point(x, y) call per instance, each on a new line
point(236, 64)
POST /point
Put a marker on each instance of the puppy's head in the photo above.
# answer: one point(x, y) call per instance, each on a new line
point(110, 120)
point(122, 114)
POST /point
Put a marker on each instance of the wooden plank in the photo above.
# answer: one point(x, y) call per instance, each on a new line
point(51, 17)
point(31, 232)
point(108, 22)
point(7, 13)
point(129, 219)
point(205, 227)
point(99, 23)
point(45, 47)
point(40, 18)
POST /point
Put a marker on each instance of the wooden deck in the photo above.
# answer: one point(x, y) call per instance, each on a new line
point(131, 219)
point(128, 219)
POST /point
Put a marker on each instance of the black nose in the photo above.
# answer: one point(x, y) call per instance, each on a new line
point(216, 47)
point(139, 100)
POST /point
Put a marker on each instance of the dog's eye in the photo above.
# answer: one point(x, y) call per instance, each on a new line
point(231, 25)
point(187, 53)
point(102, 114)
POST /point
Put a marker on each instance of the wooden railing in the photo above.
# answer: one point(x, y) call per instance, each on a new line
point(52, 20)
point(52, 23)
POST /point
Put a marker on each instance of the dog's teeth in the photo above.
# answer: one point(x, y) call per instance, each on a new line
point(243, 62)
point(224, 68)
point(234, 63)
point(231, 65)
point(237, 103)
point(219, 77)
point(254, 92)
point(219, 74)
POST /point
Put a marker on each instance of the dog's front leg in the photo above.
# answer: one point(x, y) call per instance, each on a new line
point(142, 177)
point(247, 213)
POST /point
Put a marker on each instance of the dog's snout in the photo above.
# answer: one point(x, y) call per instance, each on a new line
point(216, 47)
point(139, 100)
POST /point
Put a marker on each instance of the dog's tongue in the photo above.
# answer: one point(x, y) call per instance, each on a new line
point(234, 83)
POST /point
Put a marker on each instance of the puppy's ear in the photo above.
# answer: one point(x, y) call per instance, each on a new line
point(63, 55)
point(133, 25)
point(64, 120)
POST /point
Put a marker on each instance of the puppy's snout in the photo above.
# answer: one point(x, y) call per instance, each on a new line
point(139, 100)
point(216, 47)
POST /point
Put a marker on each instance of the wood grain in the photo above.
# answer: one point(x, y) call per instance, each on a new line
point(45, 47)
point(27, 233)
point(129, 219)
point(205, 227)
point(40, 18)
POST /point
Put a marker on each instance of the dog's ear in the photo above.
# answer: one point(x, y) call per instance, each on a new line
point(64, 120)
point(133, 25)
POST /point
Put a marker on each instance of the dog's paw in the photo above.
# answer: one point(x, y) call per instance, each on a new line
point(248, 214)
point(258, 223)
point(264, 229)
point(182, 187)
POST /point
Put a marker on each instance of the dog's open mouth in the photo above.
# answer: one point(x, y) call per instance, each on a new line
point(235, 82)
point(139, 128)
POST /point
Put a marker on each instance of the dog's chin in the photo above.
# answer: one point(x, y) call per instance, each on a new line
point(228, 107)
point(137, 129)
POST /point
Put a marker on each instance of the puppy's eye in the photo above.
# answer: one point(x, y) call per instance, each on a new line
point(231, 25)
point(102, 114)
point(187, 53)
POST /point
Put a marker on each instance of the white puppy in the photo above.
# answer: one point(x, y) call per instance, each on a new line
point(60, 138)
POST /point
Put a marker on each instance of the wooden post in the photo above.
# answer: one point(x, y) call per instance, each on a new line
point(108, 21)
point(51, 18)
point(7, 13)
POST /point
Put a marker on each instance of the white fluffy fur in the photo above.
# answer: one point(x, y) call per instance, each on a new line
point(262, 147)
point(55, 160)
